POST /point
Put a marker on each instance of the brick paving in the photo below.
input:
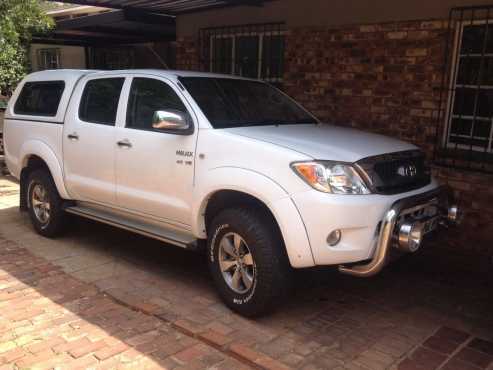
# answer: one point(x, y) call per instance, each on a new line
point(99, 297)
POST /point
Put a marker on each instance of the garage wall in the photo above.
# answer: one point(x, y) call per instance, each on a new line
point(298, 13)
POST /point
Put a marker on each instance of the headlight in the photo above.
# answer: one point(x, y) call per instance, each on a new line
point(331, 177)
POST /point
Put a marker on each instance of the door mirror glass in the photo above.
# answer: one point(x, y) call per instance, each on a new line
point(170, 120)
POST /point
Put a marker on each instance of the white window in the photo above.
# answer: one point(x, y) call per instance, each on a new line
point(49, 59)
point(471, 106)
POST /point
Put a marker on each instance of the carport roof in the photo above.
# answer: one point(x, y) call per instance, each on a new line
point(169, 7)
point(114, 27)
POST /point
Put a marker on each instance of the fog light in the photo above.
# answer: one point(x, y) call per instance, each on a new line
point(454, 215)
point(334, 237)
point(410, 237)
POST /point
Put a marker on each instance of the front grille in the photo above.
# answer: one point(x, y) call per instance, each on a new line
point(396, 172)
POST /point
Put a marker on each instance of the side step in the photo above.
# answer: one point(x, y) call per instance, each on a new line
point(165, 235)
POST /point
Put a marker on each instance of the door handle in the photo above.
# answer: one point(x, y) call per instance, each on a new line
point(124, 143)
point(73, 136)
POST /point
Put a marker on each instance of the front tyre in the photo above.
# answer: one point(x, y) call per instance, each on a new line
point(247, 261)
point(44, 204)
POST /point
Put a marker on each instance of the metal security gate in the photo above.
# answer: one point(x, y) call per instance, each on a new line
point(465, 129)
point(255, 51)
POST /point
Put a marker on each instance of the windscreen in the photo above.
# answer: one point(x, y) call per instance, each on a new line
point(228, 102)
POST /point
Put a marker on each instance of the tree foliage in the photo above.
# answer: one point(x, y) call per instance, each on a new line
point(19, 20)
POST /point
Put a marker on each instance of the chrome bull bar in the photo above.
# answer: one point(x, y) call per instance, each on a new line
point(409, 236)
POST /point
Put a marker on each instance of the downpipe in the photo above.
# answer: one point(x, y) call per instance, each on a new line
point(409, 236)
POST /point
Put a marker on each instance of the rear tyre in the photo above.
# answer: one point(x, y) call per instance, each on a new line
point(44, 204)
point(247, 260)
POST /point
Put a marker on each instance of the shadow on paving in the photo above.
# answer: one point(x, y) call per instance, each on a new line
point(329, 321)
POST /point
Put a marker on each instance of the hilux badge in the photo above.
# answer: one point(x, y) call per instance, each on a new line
point(407, 171)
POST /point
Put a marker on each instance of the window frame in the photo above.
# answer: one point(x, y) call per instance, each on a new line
point(58, 55)
point(453, 86)
point(273, 61)
point(83, 89)
point(189, 131)
point(40, 82)
point(233, 36)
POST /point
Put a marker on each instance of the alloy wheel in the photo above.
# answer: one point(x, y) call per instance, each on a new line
point(41, 204)
point(236, 263)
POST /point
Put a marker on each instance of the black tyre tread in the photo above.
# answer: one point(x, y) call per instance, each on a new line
point(270, 251)
point(57, 215)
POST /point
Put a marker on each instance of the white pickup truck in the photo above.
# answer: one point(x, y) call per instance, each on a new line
point(227, 164)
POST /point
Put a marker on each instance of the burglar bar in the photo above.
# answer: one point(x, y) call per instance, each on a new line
point(251, 50)
point(465, 119)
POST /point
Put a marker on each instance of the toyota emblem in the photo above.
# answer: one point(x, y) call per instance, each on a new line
point(407, 171)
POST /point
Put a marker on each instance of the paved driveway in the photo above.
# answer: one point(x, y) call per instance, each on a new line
point(100, 296)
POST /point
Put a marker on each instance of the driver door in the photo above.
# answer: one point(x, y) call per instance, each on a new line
point(155, 167)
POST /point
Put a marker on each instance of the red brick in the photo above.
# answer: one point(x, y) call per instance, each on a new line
point(409, 364)
point(66, 347)
point(245, 352)
point(84, 350)
point(111, 351)
point(29, 360)
point(191, 353)
point(455, 364)
point(428, 358)
point(83, 363)
point(25, 315)
point(270, 364)
point(45, 344)
point(453, 335)
point(471, 356)
point(482, 346)
point(187, 326)
point(12, 355)
point(441, 344)
point(214, 338)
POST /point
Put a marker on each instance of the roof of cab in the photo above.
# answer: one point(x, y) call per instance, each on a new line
point(71, 74)
point(58, 74)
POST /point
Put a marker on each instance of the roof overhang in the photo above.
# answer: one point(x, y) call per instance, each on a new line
point(130, 21)
point(168, 7)
point(113, 27)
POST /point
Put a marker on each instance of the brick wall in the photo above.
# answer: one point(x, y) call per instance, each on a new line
point(187, 54)
point(384, 78)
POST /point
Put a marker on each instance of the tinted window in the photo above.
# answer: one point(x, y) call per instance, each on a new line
point(231, 102)
point(148, 95)
point(99, 102)
point(40, 98)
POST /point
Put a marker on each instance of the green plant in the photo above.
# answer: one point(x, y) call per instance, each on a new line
point(19, 20)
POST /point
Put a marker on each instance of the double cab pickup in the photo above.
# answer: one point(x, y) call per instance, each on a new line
point(229, 165)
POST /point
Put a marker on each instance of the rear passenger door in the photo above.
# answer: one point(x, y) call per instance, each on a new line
point(89, 139)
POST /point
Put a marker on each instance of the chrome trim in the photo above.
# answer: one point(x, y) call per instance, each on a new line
point(410, 236)
point(380, 257)
point(386, 239)
point(121, 225)
point(454, 214)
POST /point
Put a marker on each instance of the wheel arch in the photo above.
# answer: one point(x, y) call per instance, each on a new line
point(37, 155)
point(228, 198)
point(236, 187)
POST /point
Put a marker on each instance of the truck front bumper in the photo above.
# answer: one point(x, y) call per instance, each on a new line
point(404, 226)
point(369, 226)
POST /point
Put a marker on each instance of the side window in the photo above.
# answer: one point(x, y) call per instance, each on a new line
point(147, 96)
point(99, 102)
point(39, 98)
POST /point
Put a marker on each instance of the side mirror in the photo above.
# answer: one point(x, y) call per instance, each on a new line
point(171, 120)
